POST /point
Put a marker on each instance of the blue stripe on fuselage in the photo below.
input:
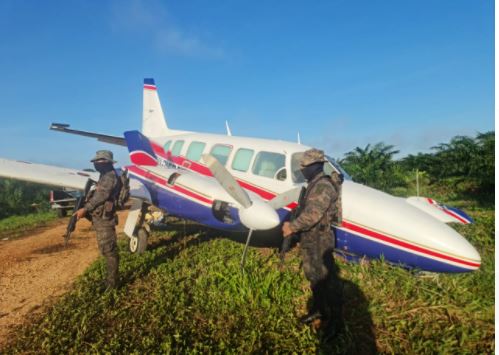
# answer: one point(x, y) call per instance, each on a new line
point(352, 243)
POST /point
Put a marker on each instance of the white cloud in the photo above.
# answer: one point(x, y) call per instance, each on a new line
point(176, 42)
point(152, 19)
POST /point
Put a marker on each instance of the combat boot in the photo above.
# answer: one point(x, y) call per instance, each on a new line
point(112, 278)
point(331, 329)
point(311, 316)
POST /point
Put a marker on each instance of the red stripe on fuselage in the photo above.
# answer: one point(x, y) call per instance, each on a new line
point(150, 87)
point(164, 183)
point(142, 158)
point(401, 243)
point(157, 149)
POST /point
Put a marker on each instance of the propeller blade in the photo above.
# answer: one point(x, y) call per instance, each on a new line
point(227, 181)
point(285, 198)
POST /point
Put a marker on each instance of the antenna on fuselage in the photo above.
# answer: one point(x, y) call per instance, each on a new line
point(299, 139)
point(229, 133)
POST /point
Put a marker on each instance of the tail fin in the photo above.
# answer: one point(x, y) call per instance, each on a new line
point(141, 152)
point(153, 119)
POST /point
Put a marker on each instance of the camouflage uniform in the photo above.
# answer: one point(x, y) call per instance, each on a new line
point(102, 210)
point(318, 209)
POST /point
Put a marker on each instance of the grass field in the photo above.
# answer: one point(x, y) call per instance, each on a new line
point(187, 294)
point(14, 226)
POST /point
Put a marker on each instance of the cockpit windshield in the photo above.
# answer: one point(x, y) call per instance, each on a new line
point(337, 167)
point(330, 166)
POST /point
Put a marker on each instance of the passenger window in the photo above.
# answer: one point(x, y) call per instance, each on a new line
point(177, 148)
point(166, 147)
point(195, 150)
point(242, 159)
point(221, 153)
point(270, 165)
point(296, 174)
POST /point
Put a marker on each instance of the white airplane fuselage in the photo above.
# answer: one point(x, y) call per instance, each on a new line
point(374, 223)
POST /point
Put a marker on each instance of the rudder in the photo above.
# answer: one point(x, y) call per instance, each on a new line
point(153, 118)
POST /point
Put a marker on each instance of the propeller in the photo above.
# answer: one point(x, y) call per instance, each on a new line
point(284, 199)
point(255, 213)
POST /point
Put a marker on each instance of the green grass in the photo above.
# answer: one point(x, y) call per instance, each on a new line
point(15, 226)
point(189, 295)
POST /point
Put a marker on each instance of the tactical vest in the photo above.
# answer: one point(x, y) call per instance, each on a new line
point(117, 200)
point(336, 181)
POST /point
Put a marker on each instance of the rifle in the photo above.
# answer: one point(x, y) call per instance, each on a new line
point(80, 202)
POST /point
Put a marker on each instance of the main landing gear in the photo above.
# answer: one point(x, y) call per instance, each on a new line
point(135, 227)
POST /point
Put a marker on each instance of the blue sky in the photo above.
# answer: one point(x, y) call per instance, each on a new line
point(342, 73)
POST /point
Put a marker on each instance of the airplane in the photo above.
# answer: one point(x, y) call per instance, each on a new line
point(242, 184)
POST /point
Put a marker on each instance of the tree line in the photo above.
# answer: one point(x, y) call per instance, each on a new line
point(465, 164)
point(19, 197)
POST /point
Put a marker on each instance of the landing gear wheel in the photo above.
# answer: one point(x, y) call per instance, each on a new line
point(138, 243)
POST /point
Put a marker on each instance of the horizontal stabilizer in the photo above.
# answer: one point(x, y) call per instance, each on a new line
point(62, 127)
point(140, 149)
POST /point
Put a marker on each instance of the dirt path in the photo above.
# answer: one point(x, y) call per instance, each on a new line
point(37, 268)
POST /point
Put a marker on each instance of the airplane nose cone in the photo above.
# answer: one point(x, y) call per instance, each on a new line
point(259, 216)
point(403, 233)
point(470, 253)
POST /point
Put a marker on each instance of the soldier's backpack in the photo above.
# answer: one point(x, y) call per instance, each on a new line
point(337, 180)
point(124, 190)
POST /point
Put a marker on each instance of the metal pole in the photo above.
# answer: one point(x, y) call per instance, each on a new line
point(417, 182)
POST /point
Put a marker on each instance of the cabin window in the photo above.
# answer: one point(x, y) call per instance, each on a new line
point(270, 165)
point(296, 174)
point(195, 150)
point(242, 159)
point(166, 147)
point(177, 148)
point(221, 153)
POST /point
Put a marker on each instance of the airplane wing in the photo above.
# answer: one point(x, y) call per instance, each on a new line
point(440, 211)
point(62, 127)
point(46, 174)
point(57, 176)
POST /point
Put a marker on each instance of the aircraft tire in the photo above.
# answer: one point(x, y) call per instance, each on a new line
point(138, 243)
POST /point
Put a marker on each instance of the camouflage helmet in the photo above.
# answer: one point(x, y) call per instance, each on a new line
point(312, 156)
point(106, 155)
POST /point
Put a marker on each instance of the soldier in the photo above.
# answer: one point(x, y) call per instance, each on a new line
point(317, 210)
point(101, 209)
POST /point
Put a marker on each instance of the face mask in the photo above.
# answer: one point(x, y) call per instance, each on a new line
point(103, 167)
point(310, 171)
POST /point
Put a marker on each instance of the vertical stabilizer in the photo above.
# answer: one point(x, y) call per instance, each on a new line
point(153, 119)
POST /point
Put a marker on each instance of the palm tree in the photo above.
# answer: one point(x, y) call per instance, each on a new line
point(373, 166)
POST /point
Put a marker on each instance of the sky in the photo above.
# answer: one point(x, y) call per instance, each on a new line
point(342, 73)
